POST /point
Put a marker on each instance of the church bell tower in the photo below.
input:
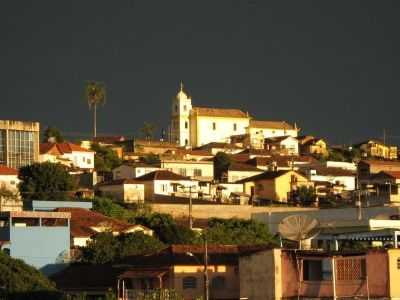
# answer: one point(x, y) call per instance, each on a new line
point(180, 118)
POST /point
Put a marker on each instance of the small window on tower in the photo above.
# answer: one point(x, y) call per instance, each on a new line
point(214, 126)
point(176, 108)
point(184, 108)
point(186, 125)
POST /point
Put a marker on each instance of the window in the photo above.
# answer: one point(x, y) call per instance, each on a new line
point(350, 269)
point(189, 282)
point(185, 108)
point(83, 159)
point(182, 171)
point(218, 283)
point(12, 182)
point(214, 126)
point(89, 161)
point(398, 263)
point(176, 108)
point(317, 269)
point(186, 142)
point(234, 126)
point(197, 172)
point(186, 125)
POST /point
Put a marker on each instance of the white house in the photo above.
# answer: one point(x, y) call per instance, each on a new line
point(237, 171)
point(130, 171)
point(200, 170)
point(9, 182)
point(124, 190)
point(68, 154)
point(162, 183)
point(335, 176)
point(86, 223)
point(283, 145)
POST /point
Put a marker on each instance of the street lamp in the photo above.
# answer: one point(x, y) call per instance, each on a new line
point(205, 270)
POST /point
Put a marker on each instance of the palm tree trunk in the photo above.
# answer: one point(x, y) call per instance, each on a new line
point(95, 120)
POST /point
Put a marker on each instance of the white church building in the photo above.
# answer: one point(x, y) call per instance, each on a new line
point(194, 126)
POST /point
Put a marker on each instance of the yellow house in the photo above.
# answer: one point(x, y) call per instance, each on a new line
point(311, 145)
point(377, 149)
point(275, 185)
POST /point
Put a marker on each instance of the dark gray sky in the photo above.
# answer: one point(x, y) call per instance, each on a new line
point(330, 66)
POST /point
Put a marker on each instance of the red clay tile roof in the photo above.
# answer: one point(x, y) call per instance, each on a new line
point(219, 112)
point(61, 148)
point(83, 219)
point(162, 175)
point(381, 162)
point(265, 175)
point(218, 145)
point(270, 125)
point(235, 166)
point(4, 170)
point(393, 174)
point(120, 181)
point(326, 171)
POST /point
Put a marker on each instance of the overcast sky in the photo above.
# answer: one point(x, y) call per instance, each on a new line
point(330, 66)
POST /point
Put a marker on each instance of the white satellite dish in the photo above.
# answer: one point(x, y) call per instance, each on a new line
point(298, 228)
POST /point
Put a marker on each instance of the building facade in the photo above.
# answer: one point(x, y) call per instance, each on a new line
point(19, 143)
point(40, 239)
point(193, 126)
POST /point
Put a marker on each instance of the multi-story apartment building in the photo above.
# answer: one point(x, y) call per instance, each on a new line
point(19, 143)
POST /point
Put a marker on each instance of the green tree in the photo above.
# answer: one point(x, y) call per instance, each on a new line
point(45, 181)
point(166, 229)
point(52, 134)
point(150, 159)
point(138, 243)
point(222, 161)
point(95, 94)
point(18, 277)
point(105, 159)
point(147, 130)
point(237, 232)
point(306, 195)
point(105, 247)
point(336, 155)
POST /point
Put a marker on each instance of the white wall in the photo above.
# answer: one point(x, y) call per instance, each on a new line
point(10, 182)
point(82, 160)
point(224, 129)
point(349, 182)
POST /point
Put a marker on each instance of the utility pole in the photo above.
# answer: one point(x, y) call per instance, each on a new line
point(206, 291)
point(190, 209)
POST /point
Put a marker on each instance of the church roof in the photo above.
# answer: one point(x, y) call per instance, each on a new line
point(271, 124)
point(220, 112)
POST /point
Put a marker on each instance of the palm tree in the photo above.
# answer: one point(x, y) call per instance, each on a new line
point(148, 130)
point(95, 94)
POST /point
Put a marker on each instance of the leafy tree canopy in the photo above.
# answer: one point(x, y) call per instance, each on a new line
point(150, 159)
point(105, 247)
point(167, 230)
point(105, 159)
point(45, 181)
point(222, 162)
point(52, 134)
point(18, 277)
point(237, 232)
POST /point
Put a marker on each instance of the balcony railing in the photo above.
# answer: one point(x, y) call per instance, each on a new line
point(151, 294)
